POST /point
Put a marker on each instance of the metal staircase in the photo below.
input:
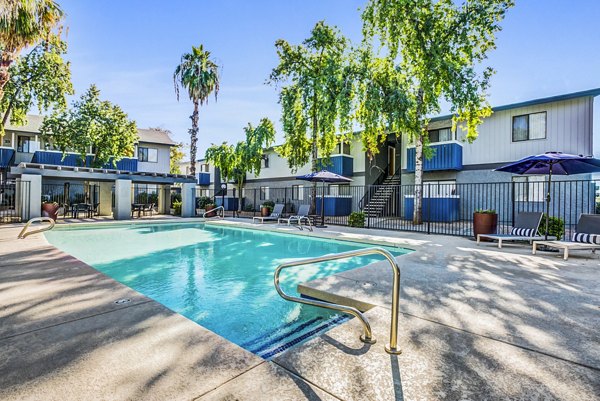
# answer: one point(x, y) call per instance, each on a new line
point(381, 195)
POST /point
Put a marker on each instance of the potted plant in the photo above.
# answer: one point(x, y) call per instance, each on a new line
point(201, 204)
point(50, 209)
point(267, 208)
point(210, 206)
point(485, 221)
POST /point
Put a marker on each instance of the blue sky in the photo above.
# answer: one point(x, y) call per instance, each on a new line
point(129, 49)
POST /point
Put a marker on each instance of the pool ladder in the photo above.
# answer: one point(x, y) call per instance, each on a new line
point(24, 234)
point(367, 337)
point(215, 209)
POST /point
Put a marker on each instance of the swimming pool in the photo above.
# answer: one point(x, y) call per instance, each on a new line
point(219, 277)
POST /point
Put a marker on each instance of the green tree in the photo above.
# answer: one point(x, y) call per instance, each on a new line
point(92, 125)
point(438, 46)
point(24, 23)
point(199, 75)
point(316, 96)
point(177, 155)
point(40, 78)
point(235, 162)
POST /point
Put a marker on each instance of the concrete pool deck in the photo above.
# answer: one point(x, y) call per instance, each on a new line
point(476, 322)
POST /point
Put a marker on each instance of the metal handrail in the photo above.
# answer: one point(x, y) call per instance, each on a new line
point(212, 210)
point(23, 234)
point(367, 337)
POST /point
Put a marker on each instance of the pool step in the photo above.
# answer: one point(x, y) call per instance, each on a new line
point(287, 336)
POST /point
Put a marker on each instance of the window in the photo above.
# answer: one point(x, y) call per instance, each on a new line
point(265, 161)
point(148, 154)
point(343, 148)
point(529, 126)
point(264, 193)
point(204, 168)
point(439, 189)
point(530, 188)
point(440, 135)
point(297, 192)
point(23, 144)
point(337, 189)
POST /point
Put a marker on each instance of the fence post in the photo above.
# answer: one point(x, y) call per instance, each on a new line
point(254, 209)
point(428, 208)
point(512, 191)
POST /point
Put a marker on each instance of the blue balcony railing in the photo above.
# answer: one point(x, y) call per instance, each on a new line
point(74, 160)
point(203, 178)
point(338, 164)
point(7, 157)
point(447, 156)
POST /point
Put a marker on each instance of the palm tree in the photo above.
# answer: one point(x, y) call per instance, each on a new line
point(200, 76)
point(24, 23)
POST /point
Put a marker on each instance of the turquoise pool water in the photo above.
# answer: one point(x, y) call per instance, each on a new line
point(219, 277)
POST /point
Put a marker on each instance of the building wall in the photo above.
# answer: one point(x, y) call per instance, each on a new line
point(163, 162)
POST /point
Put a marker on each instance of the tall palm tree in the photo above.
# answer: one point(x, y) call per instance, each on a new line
point(24, 23)
point(200, 76)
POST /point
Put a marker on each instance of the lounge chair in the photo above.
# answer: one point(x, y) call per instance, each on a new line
point(301, 216)
point(525, 229)
point(587, 237)
point(275, 214)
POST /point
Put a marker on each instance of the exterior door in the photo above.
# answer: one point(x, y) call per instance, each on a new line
point(392, 159)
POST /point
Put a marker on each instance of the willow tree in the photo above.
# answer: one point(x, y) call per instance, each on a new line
point(199, 75)
point(316, 96)
point(438, 46)
point(24, 23)
point(40, 78)
point(235, 162)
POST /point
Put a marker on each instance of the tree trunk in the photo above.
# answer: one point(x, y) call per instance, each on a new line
point(194, 139)
point(6, 59)
point(418, 205)
point(240, 187)
point(315, 155)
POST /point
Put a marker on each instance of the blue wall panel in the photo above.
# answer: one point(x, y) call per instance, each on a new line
point(339, 164)
point(447, 156)
point(74, 160)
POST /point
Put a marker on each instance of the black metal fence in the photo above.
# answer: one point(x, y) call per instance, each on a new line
point(447, 208)
point(14, 201)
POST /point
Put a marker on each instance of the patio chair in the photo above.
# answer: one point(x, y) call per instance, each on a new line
point(525, 229)
point(274, 216)
point(301, 216)
point(587, 237)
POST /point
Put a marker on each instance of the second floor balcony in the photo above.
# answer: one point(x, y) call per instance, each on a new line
point(7, 157)
point(74, 160)
point(203, 178)
point(338, 164)
point(446, 156)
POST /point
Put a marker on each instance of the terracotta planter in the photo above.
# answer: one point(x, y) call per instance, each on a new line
point(484, 223)
point(265, 211)
point(210, 207)
point(50, 210)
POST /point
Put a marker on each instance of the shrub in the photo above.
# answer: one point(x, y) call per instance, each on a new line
point(485, 211)
point(248, 207)
point(202, 201)
point(556, 226)
point(177, 208)
point(356, 219)
point(175, 197)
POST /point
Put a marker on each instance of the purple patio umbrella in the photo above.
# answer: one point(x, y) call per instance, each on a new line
point(323, 176)
point(550, 163)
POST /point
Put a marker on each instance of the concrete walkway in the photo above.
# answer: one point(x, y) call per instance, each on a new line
point(476, 323)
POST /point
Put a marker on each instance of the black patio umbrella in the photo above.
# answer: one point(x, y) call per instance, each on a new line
point(323, 176)
point(552, 163)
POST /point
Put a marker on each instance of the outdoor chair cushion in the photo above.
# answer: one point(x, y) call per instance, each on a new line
point(586, 238)
point(523, 232)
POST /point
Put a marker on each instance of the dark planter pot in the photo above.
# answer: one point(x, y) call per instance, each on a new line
point(265, 211)
point(484, 223)
point(50, 210)
point(210, 207)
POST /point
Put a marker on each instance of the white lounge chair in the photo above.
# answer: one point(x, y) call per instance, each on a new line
point(525, 229)
point(587, 237)
point(274, 216)
point(302, 216)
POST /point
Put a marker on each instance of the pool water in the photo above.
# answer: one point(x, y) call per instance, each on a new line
point(219, 277)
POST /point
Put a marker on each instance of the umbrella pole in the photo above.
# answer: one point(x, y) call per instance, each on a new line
point(323, 206)
point(548, 201)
